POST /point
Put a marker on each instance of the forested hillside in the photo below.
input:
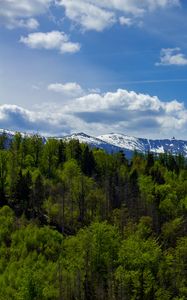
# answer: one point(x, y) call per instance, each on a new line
point(81, 224)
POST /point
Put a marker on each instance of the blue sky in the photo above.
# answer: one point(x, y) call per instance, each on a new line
point(94, 66)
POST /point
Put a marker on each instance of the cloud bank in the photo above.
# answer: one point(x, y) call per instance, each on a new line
point(20, 13)
point(96, 113)
point(89, 14)
point(98, 15)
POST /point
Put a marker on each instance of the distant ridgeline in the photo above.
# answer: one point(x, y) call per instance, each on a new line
point(112, 143)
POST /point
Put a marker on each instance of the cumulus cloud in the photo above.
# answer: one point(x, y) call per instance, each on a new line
point(129, 112)
point(96, 113)
point(89, 14)
point(71, 89)
point(172, 56)
point(20, 119)
point(20, 13)
point(50, 40)
point(119, 100)
point(98, 15)
point(13, 116)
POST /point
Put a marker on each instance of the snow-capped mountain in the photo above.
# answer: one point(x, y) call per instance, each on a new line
point(94, 142)
point(128, 144)
point(146, 145)
point(10, 135)
point(119, 142)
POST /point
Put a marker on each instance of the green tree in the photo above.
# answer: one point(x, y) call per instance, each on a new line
point(138, 267)
point(3, 176)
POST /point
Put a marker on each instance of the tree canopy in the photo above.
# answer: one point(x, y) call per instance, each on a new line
point(79, 224)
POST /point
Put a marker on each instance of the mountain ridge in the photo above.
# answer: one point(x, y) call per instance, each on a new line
point(115, 142)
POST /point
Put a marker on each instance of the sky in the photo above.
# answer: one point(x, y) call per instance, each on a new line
point(94, 66)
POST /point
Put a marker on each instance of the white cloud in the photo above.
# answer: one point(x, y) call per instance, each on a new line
point(15, 13)
point(89, 14)
point(30, 24)
point(94, 91)
point(172, 56)
point(70, 89)
point(125, 21)
point(50, 40)
point(121, 111)
point(98, 15)
point(17, 118)
point(129, 112)
point(123, 100)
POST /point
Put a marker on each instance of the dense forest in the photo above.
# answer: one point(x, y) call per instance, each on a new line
point(80, 224)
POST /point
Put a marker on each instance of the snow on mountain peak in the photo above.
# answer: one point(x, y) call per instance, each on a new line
point(132, 143)
point(84, 138)
point(115, 142)
point(123, 141)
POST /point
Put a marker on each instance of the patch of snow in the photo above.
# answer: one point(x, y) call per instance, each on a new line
point(158, 150)
point(115, 142)
point(122, 141)
point(83, 138)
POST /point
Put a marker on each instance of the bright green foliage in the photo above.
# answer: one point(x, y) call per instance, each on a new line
point(139, 262)
point(80, 224)
point(7, 220)
point(147, 187)
point(50, 158)
point(32, 264)
point(180, 265)
point(3, 176)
